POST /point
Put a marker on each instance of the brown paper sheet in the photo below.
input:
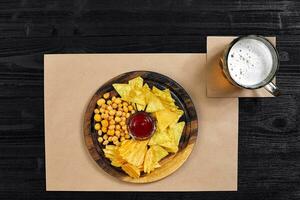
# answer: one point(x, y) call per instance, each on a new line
point(217, 84)
point(70, 82)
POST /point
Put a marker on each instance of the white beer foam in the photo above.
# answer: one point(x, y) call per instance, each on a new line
point(249, 62)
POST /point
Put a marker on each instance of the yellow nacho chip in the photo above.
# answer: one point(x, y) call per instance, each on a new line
point(122, 89)
point(146, 87)
point(162, 138)
point(149, 163)
point(134, 151)
point(153, 156)
point(176, 130)
point(159, 137)
point(154, 103)
point(132, 92)
point(140, 107)
point(111, 152)
point(159, 152)
point(131, 170)
point(136, 82)
point(165, 95)
point(136, 95)
point(165, 118)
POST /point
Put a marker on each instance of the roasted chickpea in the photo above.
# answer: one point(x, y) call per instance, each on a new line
point(117, 119)
point(106, 95)
point(119, 113)
point(102, 110)
point(114, 138)
point(99, 132)
point(104, 106)
point(112, 121)
point(97, 117)
point(110, 118)
point(96, 111)
point(118, 100)
point(117, 133)
point(114, 105)
point(97, 126)
point(105, 137)
point(104, 116)
point(125, 104)
point(109, 102)
point(127, 136)
point(122, 123)
point(125, 109)
point(100, 102)
point(112, 112)
point(118, 127)
point(110, 132)
point(130, 108)
point(111, 127)
point(123, 119)
point(104, 129)
point(105, 142)
point(104, 123)
point(100, 139)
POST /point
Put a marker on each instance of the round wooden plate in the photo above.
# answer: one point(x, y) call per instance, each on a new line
point(170, 163)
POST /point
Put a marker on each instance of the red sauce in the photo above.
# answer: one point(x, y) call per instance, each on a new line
point(141, 125)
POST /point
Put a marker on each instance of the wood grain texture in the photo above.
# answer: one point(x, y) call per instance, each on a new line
point(269, 135)
point(168, 164)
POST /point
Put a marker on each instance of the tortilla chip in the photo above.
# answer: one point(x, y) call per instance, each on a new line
point(153, 156)
point(159, 152)
point(140, 107)
point(176, 130)
point(146, 87)
point(164, 95)
point(131, 170)
point(165, 118)
point(134, 151)
point(148, 163)
point(159, 137)
point(111, 152)
point(123, 90)
point(136, 82)
point(136, 96)
point(162, 138)
point(154, 104)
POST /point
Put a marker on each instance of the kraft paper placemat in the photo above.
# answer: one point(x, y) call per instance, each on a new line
point(70, 82)
point(217, 84)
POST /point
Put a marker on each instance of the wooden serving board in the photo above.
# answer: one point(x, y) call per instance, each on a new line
point(170, 163)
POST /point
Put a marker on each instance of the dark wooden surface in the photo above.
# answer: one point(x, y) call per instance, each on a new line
point(269, 134)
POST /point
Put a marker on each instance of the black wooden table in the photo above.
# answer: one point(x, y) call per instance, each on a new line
point(269, 135)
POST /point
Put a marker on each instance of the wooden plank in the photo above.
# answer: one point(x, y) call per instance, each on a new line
point(269, 139)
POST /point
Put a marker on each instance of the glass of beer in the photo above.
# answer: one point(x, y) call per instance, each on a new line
point(251, 62)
